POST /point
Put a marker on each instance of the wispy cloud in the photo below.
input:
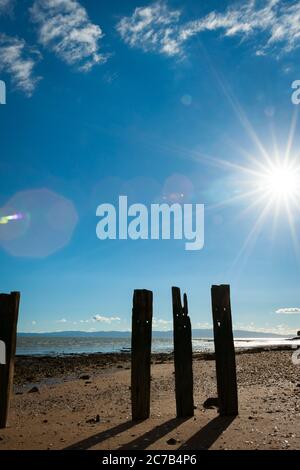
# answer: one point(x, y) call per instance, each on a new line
point(18, 60)
point(6, 6)
point(65, 28)
point(289, 310)
point(152, 28)
point(160, 29)
point(103, 319)
point(277, 20)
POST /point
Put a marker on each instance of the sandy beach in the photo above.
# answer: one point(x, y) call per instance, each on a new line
point(83, 402)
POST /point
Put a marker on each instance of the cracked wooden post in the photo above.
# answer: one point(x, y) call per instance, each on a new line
point(9, 308)
point(224, 351)
point(141, 353)
point(183, 356)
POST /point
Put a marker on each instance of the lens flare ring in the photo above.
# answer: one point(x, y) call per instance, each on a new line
point(8, 218)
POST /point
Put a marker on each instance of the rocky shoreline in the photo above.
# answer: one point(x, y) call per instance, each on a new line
point(35, 368)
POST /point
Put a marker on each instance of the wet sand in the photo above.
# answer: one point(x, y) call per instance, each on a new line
point(83, 402)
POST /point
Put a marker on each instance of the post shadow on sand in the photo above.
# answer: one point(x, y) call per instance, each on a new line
point(140, 443)
point(144, 441)
point(91, 441)
point(205, 438)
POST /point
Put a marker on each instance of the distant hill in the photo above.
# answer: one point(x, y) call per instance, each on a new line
point(197, 333)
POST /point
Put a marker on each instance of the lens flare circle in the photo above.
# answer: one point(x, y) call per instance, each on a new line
point(37, 223)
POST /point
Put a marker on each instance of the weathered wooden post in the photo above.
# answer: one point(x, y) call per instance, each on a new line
point(224, 351)
point(183, 356)
point(141, 353)
point(9, 308)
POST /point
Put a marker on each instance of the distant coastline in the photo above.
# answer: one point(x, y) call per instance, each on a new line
point(197, 333)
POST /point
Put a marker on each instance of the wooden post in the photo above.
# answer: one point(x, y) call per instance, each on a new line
point(9, 308)
point(141, 353)
point(224, 351)
point(183, 356)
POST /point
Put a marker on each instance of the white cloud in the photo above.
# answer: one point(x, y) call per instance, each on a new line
point(153, 28)
point(201, 325)
point(289, 310)
point(103, 319)
point(161, 323)
point(33, 322)
point(157, 28)
point(18, 60)
point(276, 19)
point(243, 19)
point(63, 320)
point(65, 28)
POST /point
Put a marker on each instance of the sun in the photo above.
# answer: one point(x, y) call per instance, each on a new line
point(280, 183)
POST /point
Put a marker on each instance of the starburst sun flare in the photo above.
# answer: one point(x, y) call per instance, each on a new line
point(280, 183)
point(272, 187)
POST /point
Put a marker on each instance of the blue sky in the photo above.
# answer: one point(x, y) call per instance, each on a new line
point(148, 100)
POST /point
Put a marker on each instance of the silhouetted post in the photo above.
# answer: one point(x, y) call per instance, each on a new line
point(141, 353)
point(224, 351)
point(183, 356)
point(9, 308)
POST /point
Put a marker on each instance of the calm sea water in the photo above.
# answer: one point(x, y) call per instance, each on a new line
point(49, 345)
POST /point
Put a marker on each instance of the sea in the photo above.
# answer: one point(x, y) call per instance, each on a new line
point(53, 346)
